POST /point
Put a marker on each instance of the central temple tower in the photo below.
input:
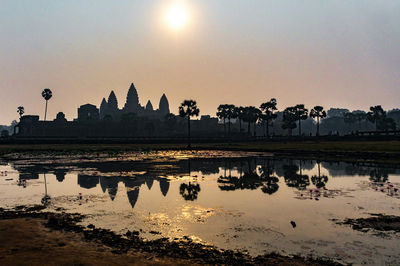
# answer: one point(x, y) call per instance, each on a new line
point(132, 101)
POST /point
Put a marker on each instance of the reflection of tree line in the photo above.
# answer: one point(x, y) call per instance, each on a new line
point(250, 173)
point(265, 173)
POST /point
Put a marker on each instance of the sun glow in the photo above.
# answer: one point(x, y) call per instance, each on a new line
point(177, 16)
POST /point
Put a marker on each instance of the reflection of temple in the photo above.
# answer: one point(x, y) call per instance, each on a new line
point(110, 185)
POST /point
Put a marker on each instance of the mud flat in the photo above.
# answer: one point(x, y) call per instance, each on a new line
point(378, 222)
point(30, 236)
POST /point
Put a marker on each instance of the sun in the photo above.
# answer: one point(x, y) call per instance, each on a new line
point(177, 16)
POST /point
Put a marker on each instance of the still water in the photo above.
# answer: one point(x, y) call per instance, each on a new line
point(247, 201)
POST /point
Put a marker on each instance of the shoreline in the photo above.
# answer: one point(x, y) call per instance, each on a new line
point(384, 152)
point(64, 234)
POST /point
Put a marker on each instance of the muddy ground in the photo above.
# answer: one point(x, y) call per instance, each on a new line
point(378, 222)
point(29, 236)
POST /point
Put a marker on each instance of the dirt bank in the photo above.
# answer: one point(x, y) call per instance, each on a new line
point(28, 236)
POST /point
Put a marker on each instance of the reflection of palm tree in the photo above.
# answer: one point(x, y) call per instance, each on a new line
point(46, 198)
point(189, 191)
point(46, 94)
point(292, 179)
point(249, 180)
point(319, 181)
point(270, 185)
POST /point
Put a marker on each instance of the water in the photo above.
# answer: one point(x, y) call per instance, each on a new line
point(231, 200)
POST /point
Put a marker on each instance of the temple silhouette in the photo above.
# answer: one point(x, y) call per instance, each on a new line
point(110, 108)
point(131, 121)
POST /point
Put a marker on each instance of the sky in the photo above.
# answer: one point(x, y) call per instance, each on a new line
point(244, 52)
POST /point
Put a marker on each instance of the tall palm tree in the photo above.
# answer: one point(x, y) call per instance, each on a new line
point(222, 114)
point(46, 94)
point(301, 114)
point(376, 115)
point(289, 119)
point(250, 115)
point(239, 115)
point(268, 108)
point(319, 113)
point(20, 111)
point(230, 113)
point(188, 108)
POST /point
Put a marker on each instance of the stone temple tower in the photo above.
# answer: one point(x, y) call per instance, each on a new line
point(103, 108)
point(163, 107)
point(112, 105)
point(149, 106)
point(132, 101)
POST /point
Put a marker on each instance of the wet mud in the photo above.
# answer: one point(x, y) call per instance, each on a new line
point(378, 222)
point(184, 250)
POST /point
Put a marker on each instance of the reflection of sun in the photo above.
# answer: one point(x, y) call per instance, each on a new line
point(177, 16)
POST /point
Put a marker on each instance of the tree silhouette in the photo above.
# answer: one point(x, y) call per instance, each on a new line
point(289, 119)
point(46, 94)
point(268, 108)
point(230, 113)
point(376, 115)
point(319, 113)
point(359, 116)
point(301, 114)
point(270, 181)
point(20, 111)
point(319, 180)
point(222, 113)
point(188, 108)
point(239, 113)
point(189, 191)
point(251, 115)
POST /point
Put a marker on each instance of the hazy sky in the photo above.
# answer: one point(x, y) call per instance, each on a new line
point(326, 52)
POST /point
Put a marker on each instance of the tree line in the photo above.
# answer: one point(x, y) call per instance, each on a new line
point(291, 117)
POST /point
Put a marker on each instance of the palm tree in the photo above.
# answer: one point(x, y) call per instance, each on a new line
point(250, 115)
point(46, 94)
point(319, 113)
point(289, 119)
point(20, 111)
point(188, 108)
point(222, 114)
point(301, 113)
point(375, 115)
point(230, 113)
point(239, 111)
point(268, 115)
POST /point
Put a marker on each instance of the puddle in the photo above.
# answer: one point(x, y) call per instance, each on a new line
point(233, 200)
